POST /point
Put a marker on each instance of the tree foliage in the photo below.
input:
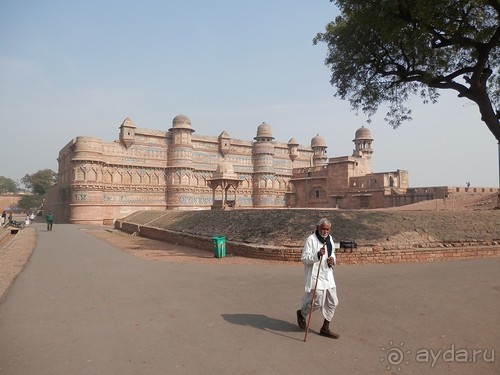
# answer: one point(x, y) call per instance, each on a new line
point(8, 185)
point(40, 182)
point(30, 202)
point(385, 51)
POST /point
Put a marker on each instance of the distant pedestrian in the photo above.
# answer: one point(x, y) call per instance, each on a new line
point(10, 217)
point(27, 220)
point(50, 220)
point(32, 217)
point(3, 220)
point(468, 185)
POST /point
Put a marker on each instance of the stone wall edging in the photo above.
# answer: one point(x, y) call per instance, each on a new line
point(420, 255)
point(4, 232)
point(359, 256)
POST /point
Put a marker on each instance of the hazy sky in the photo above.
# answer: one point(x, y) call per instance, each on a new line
point(72, 68)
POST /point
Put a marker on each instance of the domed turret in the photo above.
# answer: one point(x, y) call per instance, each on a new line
point(264, 144)
point(318, 145)
point(225, 177)
point(181, 122)
point(363, 143)
point(225, 170)
point(264, 133)
point(263, 166)
point(363, 133)
point(180, 150)
point(318, 141)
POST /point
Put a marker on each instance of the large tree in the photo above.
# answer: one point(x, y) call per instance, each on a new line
point(30, 202)
point(40, 182)
point(386, 51)
point(8, 185)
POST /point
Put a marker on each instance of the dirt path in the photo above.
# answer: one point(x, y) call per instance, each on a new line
point(145, 248)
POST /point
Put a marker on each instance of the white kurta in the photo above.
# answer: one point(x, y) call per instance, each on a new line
point(311, 263)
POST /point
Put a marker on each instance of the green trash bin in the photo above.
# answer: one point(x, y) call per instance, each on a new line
point(219, 246)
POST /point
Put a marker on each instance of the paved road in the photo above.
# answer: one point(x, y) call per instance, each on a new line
point(82, 306)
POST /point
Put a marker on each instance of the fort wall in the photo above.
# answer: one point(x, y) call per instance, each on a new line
point(101, 181)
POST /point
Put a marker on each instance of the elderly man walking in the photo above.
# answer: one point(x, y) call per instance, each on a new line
point(318, 257)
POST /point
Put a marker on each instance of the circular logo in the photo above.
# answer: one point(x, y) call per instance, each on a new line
point(394, 356)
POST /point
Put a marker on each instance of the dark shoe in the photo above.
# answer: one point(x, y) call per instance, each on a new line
point(300, 320)
point(325, 331)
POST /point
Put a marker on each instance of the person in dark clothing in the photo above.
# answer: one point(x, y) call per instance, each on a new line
point(50, 220)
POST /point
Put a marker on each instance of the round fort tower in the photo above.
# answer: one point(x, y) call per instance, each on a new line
point(179, 161)
point(264, 177)
point(86, 201)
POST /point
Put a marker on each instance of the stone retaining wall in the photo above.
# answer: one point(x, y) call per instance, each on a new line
point(361, 255)
point(419, 255)
point(4, 233)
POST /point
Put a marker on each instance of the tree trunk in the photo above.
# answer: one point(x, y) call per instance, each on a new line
point(498, 195)
point(490, 118)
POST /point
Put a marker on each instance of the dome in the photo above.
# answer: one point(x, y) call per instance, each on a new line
point(225, 170)
point(292, 142)
point(224, 167)
point(363, 133)
point(318, 141)
point(264, 131)
point(181, 122)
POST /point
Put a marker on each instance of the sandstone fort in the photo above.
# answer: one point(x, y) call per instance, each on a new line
point(101, 181)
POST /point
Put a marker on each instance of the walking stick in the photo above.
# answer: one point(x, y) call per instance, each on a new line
point(314, 295)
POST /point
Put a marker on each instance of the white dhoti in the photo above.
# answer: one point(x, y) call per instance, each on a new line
point(325, 299)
